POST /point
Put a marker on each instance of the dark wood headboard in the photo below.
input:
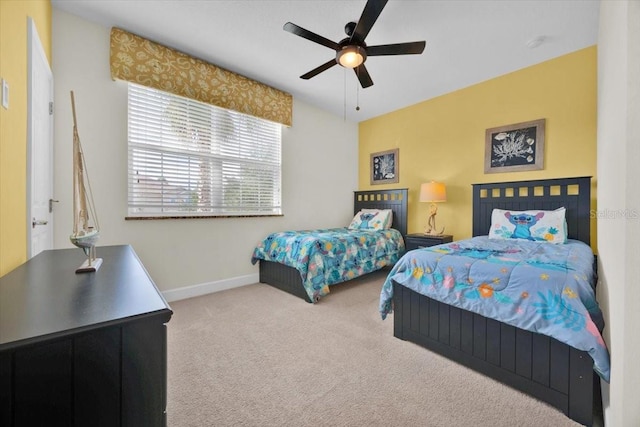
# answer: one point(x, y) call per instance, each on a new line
point(395, 199)
point(544, 194)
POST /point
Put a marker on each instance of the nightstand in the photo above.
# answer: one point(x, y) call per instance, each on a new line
point(420, 240)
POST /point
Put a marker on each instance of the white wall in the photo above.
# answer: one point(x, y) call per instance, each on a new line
point(319, 174)
point(619, 204)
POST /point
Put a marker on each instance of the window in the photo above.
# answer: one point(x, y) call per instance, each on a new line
point(188, 158)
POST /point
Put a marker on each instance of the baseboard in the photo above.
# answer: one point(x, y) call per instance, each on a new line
point(210, 287)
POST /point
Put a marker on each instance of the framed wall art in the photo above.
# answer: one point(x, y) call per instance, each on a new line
point(385, 167)
point(513, 148)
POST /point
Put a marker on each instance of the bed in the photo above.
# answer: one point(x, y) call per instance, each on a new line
point(289, 279)
point(528, 360)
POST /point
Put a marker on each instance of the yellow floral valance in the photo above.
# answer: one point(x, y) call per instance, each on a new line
point(138, 60)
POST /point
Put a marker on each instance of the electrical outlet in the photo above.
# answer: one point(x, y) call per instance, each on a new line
point(5, 94)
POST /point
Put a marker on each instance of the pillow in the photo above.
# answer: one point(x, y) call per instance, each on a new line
point(372, 219)
point(387, 215)
point(544, 226)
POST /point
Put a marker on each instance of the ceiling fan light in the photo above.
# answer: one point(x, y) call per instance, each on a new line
point(351, 56)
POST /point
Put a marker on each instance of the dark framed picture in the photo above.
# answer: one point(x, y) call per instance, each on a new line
point(513, 148)
point(385, 167)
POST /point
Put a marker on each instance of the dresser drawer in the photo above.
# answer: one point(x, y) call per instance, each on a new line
point(417, 241)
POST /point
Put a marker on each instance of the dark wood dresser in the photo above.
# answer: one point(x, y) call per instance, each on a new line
point(82, 349)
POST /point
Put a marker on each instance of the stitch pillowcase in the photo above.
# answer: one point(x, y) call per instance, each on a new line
point(539, 226)
point(372, 219)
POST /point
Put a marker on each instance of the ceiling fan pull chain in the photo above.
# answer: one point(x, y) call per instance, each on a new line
point(344, 75)
point(358, 93)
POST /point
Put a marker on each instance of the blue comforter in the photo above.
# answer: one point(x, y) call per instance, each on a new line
point(537, 286)
point(328, 256)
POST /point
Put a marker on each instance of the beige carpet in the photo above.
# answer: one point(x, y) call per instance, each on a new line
point(256, 356)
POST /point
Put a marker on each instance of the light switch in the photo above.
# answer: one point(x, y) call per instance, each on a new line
point(5, 94)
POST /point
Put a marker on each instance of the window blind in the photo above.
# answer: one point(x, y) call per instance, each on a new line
point(188, 158)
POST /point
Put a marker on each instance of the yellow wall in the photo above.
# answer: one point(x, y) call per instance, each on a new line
point(13, 123)
point(443, 139)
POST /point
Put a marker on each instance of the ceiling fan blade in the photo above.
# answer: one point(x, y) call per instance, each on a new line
point(410, 48)
point(319, 69)
point(370, 14)
point(299, 31)
point(363, 76)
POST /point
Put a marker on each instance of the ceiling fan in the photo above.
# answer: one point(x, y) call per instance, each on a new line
point(352, 51)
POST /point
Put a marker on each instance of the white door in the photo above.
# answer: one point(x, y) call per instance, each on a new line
point(39, 147)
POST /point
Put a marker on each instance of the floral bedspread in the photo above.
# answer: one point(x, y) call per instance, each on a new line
point(328, 256)
point(537, 286)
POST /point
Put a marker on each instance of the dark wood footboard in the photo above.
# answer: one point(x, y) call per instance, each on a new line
point(283, 277)
point(535, 364)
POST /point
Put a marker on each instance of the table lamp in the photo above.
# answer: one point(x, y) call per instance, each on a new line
point(433, 192)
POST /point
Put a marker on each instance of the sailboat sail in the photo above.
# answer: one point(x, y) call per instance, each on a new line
point(86, 230)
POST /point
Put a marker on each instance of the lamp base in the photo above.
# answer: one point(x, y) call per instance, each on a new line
point(434, 232)
point(431, 230)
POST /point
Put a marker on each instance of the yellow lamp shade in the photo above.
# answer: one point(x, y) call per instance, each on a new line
point(433, 192)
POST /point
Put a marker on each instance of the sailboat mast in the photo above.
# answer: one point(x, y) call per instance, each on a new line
point(80, 214)
point(84, 235)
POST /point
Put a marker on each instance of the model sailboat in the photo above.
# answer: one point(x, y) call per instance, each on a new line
point(86, 230)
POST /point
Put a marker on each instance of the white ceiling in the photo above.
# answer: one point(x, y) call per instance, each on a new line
point(467, 42)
